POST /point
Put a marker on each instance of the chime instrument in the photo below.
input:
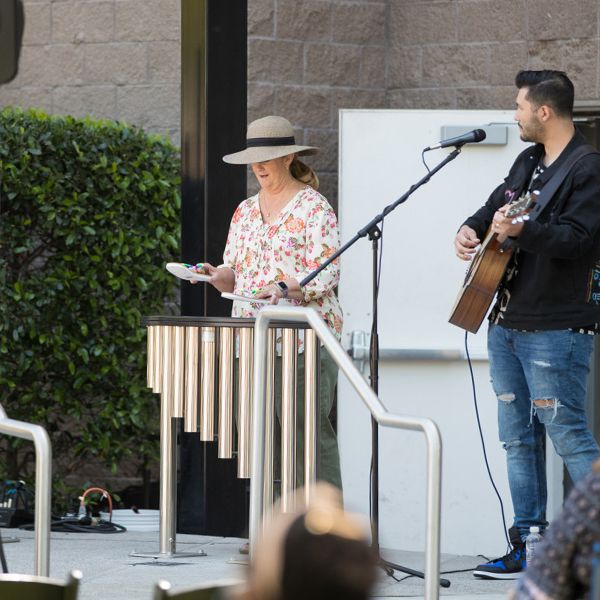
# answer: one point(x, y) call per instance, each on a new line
point(202, 368)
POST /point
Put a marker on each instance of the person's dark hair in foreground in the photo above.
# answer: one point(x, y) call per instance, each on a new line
point(318, 553)
point(321, 565)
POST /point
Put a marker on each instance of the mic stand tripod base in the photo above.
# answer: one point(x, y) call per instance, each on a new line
point(167, 555)
point(390, 567)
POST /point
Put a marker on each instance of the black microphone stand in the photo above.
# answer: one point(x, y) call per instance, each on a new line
point(374, 233)
point(3, 557)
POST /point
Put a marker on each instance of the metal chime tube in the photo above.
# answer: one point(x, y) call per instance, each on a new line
point(168, 466)
point(289, 366)
point(258, 428)
point(311, 414)
point(207, 384)
point(167, 367)
point(150, 357)
point(158, 359)
point(178, 370)
point(226, 362)
point(244, 401)
point(269, 425)
point(190, 418)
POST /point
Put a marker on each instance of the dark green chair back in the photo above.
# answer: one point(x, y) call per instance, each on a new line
point(209, 591)
point(31, 587)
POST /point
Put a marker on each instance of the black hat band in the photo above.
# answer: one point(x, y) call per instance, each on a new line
point(270, 141)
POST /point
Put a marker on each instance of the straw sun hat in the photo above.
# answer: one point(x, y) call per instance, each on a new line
point(266, 139)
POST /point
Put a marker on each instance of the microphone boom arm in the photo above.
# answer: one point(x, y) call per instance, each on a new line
point(378, 218)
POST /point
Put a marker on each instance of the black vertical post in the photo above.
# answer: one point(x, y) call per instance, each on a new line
point(194, 42)
point(213, 123)
point(211, 500)
point(226, 128)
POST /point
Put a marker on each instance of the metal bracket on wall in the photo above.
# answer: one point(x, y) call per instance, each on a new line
point(496, 134)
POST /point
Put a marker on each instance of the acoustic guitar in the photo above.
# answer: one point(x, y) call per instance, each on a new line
point(486, 271)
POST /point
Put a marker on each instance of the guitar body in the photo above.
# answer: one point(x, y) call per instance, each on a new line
point(486, 271)
point(481, 283)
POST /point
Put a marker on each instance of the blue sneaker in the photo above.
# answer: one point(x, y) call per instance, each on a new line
point(507, 567)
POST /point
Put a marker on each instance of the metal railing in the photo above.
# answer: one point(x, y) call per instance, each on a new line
point(43, 485)
point(379, 412)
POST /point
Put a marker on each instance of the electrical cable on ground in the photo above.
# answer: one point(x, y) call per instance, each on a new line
point(82, 523)
point(487, 465)
point(76, 525)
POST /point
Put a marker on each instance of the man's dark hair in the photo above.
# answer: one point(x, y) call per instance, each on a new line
point(552, 88)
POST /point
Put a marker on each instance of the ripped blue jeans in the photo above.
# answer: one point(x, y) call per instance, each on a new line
point(540, 381)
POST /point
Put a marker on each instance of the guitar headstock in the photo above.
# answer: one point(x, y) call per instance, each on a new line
point(519, 210)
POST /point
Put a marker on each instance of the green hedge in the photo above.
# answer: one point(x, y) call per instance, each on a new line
point(88, 217)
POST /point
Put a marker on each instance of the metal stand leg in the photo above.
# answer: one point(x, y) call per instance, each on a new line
point(168, 491)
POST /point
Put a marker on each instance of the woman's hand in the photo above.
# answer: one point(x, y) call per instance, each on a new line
point(223, 278)
point(274, 293)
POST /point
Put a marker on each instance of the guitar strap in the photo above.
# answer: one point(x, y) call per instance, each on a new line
point(554, 182)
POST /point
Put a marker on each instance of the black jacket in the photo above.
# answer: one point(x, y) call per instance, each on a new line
point(556, 284)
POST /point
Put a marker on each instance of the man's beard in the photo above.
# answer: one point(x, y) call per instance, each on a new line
point(533, 133)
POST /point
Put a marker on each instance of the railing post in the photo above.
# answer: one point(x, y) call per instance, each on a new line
point(259, 409)
point(379, 412)
point(43, 485)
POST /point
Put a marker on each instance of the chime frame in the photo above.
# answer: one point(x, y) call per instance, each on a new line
point(179, 347)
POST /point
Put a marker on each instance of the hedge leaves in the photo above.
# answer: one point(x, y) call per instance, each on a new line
point(88, 217)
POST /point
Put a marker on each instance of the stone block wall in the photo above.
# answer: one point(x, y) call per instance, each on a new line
point(308, 59)
point(114, 59)
point(465, 53)
point(120, 59)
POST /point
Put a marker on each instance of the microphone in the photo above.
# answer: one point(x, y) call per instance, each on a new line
point(472, 137)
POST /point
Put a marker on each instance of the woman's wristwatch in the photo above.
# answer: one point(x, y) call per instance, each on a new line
point(283, 287)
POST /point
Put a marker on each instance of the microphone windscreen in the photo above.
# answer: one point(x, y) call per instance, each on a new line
point(480, 135)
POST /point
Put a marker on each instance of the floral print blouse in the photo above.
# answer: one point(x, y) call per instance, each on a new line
point(304, 234)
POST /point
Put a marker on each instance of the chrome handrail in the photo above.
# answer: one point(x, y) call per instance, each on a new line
point(372, 402)
point(43, 482)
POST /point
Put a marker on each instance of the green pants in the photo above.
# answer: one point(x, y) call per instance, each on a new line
point(328, 453)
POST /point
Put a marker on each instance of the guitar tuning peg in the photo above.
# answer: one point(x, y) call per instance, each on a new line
point(525, 218)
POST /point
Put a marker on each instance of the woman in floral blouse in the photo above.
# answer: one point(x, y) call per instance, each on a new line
point(276, 238)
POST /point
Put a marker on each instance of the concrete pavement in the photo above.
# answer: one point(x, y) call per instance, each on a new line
point(109, 571)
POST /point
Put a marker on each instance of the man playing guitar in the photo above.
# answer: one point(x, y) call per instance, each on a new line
point(540, 335)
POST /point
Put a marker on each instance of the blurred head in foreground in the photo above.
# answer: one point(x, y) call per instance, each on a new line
point(318, 552)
